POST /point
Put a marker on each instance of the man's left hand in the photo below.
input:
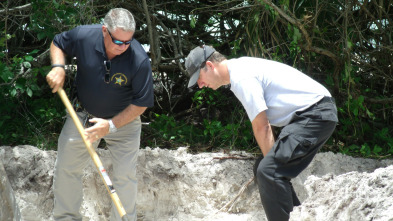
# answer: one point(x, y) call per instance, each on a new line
point(98, 130)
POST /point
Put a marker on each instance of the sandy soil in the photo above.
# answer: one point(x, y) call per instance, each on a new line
point(176, 185)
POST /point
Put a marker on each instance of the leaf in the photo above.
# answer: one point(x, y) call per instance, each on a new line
point(296, 34)
point(26, 64)
point(349, 44)
point(35, 51)
point(29, 92)
point(355, 111)
point(5, 74)
point(377, 149)
point(361, 99)
point(193, 22)
point(56, 4)
point(13, 92)
point(370, 115)
point(365, 150)
point(29, 58)
point(41, 35)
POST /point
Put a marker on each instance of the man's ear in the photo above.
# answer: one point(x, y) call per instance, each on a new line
point(209, 64)
point(104, 29)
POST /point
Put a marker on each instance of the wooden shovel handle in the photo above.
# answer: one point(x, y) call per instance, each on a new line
point(93, 154)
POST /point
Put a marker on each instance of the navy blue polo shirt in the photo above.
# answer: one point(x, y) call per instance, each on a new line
point(131, 79)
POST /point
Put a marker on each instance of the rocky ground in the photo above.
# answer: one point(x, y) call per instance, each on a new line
point(177, 185)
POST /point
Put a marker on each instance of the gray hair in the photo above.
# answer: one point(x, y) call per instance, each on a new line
point(119, 18)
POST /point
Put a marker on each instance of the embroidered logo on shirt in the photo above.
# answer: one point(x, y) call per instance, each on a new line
point(119, 79)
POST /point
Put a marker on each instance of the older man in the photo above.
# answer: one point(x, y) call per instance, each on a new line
point(114, 87)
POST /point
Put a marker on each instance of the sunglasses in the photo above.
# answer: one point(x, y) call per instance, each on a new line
point(107, 65)
point(118, 42)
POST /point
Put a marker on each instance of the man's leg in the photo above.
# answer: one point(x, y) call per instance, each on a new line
point(293, 151)
point(72, 157)
point(124, 147)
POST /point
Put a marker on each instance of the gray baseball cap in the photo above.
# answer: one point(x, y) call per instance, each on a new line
point(194, 61)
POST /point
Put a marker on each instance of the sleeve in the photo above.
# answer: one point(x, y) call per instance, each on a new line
point(142, 84)
point(67, 41)
point(251, 95)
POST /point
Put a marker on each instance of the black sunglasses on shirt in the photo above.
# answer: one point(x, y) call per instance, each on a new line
point(107, 65)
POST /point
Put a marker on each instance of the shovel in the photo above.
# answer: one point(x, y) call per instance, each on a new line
point(94, 156)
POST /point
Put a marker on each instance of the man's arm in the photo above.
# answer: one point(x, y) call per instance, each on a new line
point(56, 75)
point(263, 132)
point(127, 115)
point(101, 126)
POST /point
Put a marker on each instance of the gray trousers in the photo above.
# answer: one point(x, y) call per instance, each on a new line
point(72, 157)
point(292, 152)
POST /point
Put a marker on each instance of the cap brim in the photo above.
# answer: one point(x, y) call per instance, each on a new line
point(194, 78)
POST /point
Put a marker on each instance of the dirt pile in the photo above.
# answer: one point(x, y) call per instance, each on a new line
point(351, 196)
point(176, 185)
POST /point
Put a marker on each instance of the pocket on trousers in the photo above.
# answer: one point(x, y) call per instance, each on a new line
point(291, 147)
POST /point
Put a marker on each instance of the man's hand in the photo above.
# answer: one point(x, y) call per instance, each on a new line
point(55, 78)
point(99, 130)
point(255, 168)
point(263, 132)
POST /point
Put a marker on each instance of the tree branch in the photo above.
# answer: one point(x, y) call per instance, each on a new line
point(19, 8)
point(379, 101)
point(301, 27)
point(151, 39)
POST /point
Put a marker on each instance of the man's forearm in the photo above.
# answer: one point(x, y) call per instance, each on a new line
point(56, 75)
point(263, 132)
point(265, 139)
point(127, 115)
point(57, 56)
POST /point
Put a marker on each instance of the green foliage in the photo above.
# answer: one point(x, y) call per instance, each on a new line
point(169, 132)
point(208, 97)
point(26, 117)
point(231, 131)
point(193, 21)
point(359, 125)
point(325, 39)
point(335, 54)
point(52, 16)
point(232, 135)
point(294, 48)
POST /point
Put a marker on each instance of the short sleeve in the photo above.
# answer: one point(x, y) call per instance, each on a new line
point(67, 41)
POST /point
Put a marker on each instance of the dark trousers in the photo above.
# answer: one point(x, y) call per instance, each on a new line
point(292, 152)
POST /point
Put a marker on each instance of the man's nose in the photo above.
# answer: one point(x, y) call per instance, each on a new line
point(200, 83)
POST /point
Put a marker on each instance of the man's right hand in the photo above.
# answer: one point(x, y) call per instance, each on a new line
point(55, 78)
point(255, 167)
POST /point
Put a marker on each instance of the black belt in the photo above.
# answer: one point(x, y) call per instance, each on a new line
point(78, 108)
point(322, 101)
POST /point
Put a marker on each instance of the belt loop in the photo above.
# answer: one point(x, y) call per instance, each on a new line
point(87, 117)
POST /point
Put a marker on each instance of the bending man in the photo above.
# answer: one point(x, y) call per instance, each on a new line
point(275, 94)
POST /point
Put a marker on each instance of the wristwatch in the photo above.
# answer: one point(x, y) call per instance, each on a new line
point(112, 127)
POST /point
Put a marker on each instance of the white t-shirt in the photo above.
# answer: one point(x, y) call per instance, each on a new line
point(278, 89)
